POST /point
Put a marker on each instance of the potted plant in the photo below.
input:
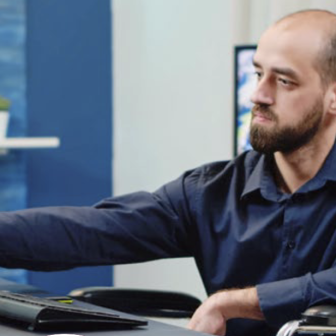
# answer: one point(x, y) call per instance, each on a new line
point(4, 116)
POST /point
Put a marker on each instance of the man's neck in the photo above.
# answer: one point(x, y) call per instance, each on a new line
point(293, 170)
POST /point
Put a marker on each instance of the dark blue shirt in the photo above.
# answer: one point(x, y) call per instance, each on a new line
point(230, 216)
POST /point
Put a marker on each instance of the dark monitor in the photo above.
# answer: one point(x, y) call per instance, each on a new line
point(245, 82)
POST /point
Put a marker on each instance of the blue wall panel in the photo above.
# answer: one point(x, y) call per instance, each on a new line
point(69, 96)
point(13, 87)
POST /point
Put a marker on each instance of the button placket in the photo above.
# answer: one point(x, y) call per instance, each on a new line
point(289, 242)
point(291, 245)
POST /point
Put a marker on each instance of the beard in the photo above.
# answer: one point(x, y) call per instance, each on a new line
point(286, 139)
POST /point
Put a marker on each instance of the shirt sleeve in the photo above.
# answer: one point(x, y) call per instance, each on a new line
point(285, 300)
point(132, 228)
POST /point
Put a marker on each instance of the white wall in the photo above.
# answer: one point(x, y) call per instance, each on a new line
point(173, 99)
point(172, 107)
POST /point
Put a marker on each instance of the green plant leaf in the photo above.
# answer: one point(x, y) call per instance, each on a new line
point(4, 104)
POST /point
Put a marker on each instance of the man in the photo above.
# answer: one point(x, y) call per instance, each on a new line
point(294, 124)
point(261, 227)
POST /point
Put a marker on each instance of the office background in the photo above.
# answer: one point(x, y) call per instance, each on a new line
point(56, 70)
point(138, 91)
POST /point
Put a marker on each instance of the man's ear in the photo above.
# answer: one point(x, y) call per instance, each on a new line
point(332, 98)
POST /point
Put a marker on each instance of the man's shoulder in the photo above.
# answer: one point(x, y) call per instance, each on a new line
point(245, 161)
point(211, 182)
point(242, 165)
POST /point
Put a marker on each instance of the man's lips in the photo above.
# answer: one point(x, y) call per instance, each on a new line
point(261, 117)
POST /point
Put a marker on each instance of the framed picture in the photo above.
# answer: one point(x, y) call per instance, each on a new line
point(245, 82)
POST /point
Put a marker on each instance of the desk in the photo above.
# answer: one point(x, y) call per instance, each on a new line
point(152, 329)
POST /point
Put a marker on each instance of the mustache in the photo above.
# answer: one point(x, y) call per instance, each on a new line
point(265, 111)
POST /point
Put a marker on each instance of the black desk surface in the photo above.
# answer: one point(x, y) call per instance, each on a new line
point(152, 329)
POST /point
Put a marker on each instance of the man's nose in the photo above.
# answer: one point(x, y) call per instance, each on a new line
point(263, 93)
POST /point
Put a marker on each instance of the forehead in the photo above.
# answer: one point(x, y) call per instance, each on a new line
point(296, 48)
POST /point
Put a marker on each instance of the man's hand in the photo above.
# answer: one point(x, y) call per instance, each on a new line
point(208, 317)
point(212, 315)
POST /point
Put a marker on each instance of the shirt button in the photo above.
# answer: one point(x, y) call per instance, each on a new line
point(291, 245)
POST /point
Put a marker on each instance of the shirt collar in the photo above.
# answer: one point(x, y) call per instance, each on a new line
point(261, 179)
point(254, 180)
point(328, 170)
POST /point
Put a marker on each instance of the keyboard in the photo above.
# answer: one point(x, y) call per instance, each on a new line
point(35, 313)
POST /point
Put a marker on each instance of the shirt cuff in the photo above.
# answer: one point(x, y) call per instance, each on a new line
point(282, 301)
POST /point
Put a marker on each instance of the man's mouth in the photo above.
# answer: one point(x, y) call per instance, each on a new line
point(261, 117)
point(262, 114)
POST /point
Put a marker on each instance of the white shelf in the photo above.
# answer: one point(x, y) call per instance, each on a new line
point(29, 143)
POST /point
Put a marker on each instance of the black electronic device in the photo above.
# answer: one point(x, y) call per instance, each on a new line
point(53, 314)
point(324, 315)
point(245, 81)
point(315, 321)
point(152, 303)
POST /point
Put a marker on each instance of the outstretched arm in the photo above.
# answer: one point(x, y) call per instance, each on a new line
point(212, 315)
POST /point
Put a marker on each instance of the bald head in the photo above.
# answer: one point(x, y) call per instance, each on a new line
point(322, 22)
point(309, 14)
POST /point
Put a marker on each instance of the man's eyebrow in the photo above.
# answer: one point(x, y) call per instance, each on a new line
point(281, 71)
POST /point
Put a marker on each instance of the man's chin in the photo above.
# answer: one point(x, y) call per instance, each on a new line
point(263, 150)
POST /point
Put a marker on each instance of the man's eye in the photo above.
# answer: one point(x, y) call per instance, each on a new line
point(284, 81)
point(258, 74)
